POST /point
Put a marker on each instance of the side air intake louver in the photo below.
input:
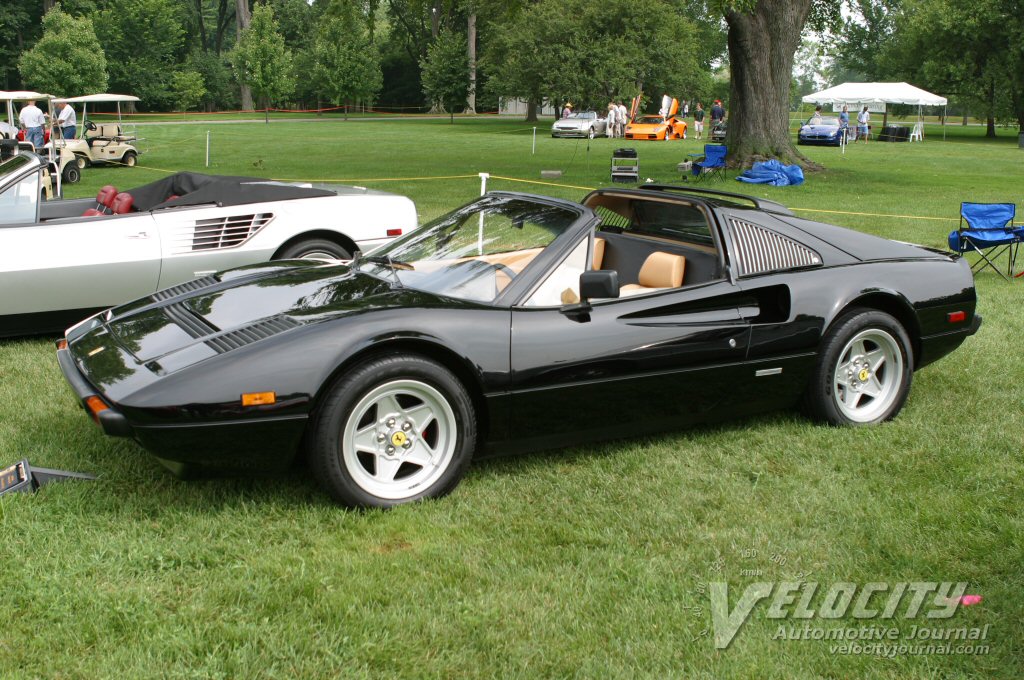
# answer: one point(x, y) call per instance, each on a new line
point(759, 251)
point(259, 330)
point(223, 232)
point(187, 287)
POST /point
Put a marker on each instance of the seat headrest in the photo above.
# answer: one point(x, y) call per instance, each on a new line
point(123, 203)
point(662, 270)
point(106, 195)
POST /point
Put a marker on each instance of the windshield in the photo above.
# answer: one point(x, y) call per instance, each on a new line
point(586, 115)
point(474, 252)
point(650, 120)
point(825, 121)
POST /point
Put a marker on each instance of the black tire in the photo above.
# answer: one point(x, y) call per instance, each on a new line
point(591, 134)
point(887, 368)
point(129, 159)
point(71, 173)
point(357, 477)
point(314, 248)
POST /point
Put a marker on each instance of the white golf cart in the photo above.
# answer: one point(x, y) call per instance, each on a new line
point(103, 142)
point(62, 166)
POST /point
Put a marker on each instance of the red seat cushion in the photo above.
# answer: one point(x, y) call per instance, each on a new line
point(123, 203)
point(106, 196)
point(91, 212)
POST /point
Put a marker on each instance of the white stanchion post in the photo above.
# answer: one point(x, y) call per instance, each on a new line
point(480, 230)
point(534, 151)
point(207, 148)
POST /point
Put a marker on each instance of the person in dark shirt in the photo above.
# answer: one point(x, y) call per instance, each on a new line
point(698, 120)
point(717, 113)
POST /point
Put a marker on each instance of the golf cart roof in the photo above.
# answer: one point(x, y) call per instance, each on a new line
point(23, 95)
point(102, 97)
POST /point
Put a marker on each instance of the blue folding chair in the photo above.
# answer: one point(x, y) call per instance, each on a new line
point(990, 232)
point(712, 163)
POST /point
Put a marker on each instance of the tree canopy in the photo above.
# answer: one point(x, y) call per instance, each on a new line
point(67, 60)
point(261, 59)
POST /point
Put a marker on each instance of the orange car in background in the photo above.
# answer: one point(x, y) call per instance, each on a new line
point(663, 125)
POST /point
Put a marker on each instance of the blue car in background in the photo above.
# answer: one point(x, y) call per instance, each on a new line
point(824, 131)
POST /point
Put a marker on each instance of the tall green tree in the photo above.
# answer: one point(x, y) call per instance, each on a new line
point(67, 60)
point(262, 61)
point(143, 41)
point(346, 66)
point(590, 52)
point(445, 72)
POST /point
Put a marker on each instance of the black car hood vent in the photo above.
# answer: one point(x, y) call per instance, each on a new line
point(184, 288)
point(759, 250)
point(191, 323)
point(254, 332)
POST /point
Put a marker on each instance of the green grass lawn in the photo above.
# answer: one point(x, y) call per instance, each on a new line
point(589, 562)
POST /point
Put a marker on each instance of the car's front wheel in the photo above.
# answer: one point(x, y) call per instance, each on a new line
point(130, 158)
point(591, 133)
point(314, 249)
point(396, 429)
point(864, 370)
point(71, 173)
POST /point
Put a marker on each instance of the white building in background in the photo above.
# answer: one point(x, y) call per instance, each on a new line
point(517, 107)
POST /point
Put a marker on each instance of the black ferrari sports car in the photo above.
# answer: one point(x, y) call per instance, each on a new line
point(519, 322)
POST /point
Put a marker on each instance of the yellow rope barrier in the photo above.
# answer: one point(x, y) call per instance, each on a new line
point(864, 214)
point(550, 184)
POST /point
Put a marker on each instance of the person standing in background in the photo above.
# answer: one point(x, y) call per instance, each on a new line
point(863, 124)
point(32, 120)
point(844, 121)
point(623, 119)
point(611, 124)
point(698, 120)
point(717, 113)
point(66, 120)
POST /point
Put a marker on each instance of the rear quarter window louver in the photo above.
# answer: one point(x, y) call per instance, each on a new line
point(759, 251)
point(259, 330)
point(226, 232)
point(184, 288)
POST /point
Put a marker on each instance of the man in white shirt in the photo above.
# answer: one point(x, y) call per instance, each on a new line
point(32, 120)
point(864, 125)
point(66, 120)
point(623, 119)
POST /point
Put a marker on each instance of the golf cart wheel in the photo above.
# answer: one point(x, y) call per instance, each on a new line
point(314, 249)
point(393, 430)
point(81, 161)
point(71, 173)
point(129, 159)
point(863, 372)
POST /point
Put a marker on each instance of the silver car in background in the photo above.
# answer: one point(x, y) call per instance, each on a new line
point(580, 124)
point(63, 260)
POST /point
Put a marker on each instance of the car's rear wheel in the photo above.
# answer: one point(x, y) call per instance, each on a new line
point(396, 429)
point(864, 370)
point(591, 132)
point(130, 158)
point(314, 249)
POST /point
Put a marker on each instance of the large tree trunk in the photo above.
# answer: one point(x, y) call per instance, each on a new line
point(471, 53)
point(531, 111)
point(761, 48)
point(242, 19)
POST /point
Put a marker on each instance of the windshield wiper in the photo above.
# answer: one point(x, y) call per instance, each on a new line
point(392, 265)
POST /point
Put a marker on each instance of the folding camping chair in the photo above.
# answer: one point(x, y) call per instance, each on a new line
point(990, 232)
point(712, 163)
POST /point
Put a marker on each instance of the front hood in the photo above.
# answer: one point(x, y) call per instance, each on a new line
point(819, 130)
point(180, 326)
point(570, 125)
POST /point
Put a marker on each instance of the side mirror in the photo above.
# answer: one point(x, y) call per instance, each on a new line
point(600, 283)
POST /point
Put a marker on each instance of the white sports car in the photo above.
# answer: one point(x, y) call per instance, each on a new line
point(62, 260)
point(580, 124)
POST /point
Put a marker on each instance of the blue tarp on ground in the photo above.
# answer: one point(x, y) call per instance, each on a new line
point(774, 173)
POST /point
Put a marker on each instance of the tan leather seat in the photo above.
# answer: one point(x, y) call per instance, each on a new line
point(660, 271)
point(598, 252)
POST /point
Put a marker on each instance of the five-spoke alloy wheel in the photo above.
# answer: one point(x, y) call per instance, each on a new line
point(864, 370)
point(395, 429)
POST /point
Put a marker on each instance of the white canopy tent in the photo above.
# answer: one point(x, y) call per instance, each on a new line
point(876, 95)
point(87, 99)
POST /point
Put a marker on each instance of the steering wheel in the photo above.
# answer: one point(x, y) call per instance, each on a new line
point(90, 126)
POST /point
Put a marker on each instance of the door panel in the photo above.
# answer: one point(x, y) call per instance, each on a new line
point(78, 264)
point(636, 364)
